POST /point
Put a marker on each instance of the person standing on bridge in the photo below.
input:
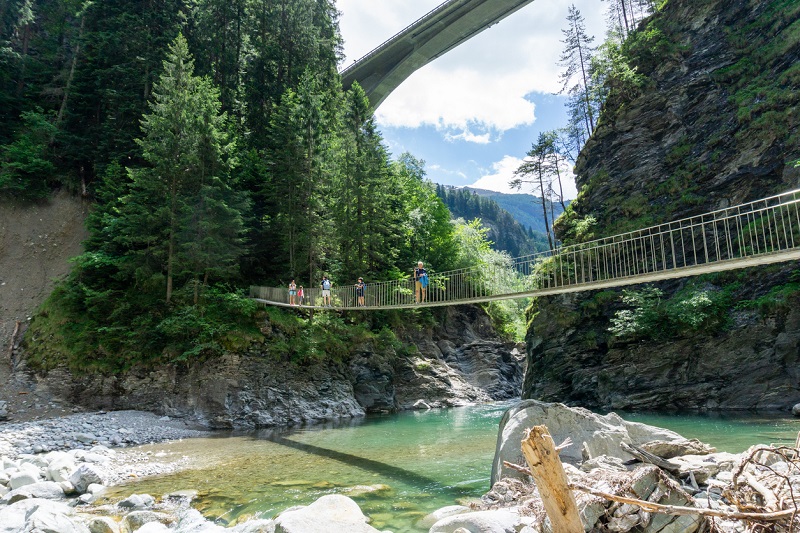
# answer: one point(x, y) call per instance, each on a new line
point(420, 283)
point(301, 295)
point(326, 291)
point(360, 285)
point(292, 292)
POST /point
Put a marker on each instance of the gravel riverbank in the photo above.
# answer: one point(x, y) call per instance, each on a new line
point(83, 431)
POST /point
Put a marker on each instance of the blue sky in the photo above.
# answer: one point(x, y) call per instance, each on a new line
point(474, 112)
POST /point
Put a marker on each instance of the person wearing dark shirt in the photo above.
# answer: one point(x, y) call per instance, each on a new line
point(360, 291)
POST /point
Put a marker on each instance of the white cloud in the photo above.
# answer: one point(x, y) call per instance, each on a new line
point(468, 136)
point(483, 82)
point(502, 173)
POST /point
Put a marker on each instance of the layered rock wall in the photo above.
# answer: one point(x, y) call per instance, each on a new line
point(461, 361)
point(716, 123)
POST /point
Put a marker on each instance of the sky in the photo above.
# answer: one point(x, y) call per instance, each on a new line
point(473, 113)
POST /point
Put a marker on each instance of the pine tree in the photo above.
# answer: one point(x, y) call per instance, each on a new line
point(576, 59)
point(536, 170)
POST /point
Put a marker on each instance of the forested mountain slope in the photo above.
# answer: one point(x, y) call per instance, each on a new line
point(525, 208)
point(711, 119)
point(506, 233)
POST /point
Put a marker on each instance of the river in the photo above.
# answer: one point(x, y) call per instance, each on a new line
point(397, 467)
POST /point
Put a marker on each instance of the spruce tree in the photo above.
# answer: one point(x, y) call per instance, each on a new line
point(180, 220)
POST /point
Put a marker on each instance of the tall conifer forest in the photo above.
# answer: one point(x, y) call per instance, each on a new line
point(218, 149)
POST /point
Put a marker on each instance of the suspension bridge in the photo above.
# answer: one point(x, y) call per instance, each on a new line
point(756, 233)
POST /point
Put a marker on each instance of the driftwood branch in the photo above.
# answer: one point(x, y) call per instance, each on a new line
point(13, 340)
point(647, 457)
point(770, 501)
point(668, 509)
point(551, 480)
point(518, 468)
point(680, 510)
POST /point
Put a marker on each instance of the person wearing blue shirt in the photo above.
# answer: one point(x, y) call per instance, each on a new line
point(326, 291)
point(420, 283)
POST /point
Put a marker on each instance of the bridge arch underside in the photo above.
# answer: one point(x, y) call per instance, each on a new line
point(452, 23)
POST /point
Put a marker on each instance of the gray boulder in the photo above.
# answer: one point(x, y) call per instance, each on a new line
point(255, 526)
point(37, 515)
point(592, 435)
point(153, 527)
point(333, 513)
point(135, 520)
point(21, 478)
point(48, 490)
point(668, 450)
point(796, 409)
point(103, 524)
point(498, 521)
point(191, 521)
point(137, 501)
point(85, 475)
point(61, 467)
point(439, 514)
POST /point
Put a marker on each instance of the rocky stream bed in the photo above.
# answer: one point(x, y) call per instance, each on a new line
point(54, 472)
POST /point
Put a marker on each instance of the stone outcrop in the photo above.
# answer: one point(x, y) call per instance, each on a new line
point(458, 362)
point(713, 125)
point(592, 435)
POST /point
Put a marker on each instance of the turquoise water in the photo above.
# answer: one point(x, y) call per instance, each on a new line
point(398, 467)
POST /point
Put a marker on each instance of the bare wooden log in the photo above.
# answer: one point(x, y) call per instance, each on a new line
point(551, 480)
point(647, 457)
point(13, 340)
point(770, 500)
point(681, 510)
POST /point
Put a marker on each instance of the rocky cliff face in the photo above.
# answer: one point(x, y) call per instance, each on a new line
point(460, 361)
point(715, 124)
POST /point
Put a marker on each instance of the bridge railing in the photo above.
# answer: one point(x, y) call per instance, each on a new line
point(759, 228)
point(396, 36)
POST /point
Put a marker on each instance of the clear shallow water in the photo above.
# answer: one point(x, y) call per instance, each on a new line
point(398, 467)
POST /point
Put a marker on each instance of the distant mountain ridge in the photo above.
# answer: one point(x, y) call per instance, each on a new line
point(505, 232)
point(525, 208)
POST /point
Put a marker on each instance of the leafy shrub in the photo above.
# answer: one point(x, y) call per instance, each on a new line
point(691, 309)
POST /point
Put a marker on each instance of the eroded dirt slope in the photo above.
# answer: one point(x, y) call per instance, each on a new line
point(36, 243)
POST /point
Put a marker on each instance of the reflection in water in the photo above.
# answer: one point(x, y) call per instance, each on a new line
point(397, 467)
point(384, 470)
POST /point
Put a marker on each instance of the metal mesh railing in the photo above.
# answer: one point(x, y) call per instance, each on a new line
point(763, 231)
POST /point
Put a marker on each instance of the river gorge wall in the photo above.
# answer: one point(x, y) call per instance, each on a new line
point(460, 361)
point(713, 124)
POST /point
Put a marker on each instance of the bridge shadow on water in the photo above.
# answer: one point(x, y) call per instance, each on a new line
point(385, 470)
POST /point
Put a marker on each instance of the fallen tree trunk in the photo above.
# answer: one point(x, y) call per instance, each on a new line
point(13, 340)
point(551, 480)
